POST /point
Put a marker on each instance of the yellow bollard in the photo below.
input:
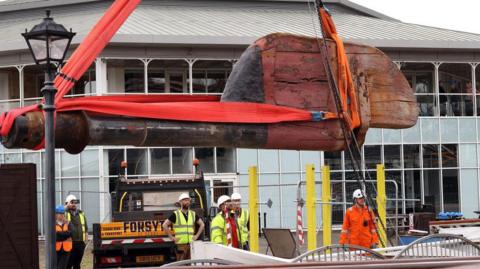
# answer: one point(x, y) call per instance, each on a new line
point(253, 207)
point(381, 205)
point(311, 210)
point(326, 207)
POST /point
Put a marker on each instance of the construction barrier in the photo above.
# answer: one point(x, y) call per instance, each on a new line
point(439, 245)
point(336, 253)
point(326, 207)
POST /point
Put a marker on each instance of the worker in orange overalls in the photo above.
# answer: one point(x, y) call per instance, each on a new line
point(63, 244)
point(358, 225)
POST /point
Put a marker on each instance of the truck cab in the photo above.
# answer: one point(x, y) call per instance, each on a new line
point(135, 236)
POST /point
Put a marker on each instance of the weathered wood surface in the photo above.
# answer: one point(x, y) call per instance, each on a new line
point(280, 69)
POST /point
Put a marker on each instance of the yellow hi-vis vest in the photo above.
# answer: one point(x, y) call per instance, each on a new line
point(82, 221)
point(184, 229)
point(242, 221)
point(218, 230)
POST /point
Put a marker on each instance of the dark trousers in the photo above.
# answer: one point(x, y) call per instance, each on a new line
point(183, 252)
point(62, 259)
point(76, 255)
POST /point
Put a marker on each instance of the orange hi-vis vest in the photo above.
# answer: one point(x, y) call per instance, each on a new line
point(359, 227)
point(67, 244)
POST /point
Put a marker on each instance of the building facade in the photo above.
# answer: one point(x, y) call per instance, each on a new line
point(189, 47)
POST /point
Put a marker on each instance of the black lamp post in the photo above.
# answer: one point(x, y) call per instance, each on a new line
point(48, 42)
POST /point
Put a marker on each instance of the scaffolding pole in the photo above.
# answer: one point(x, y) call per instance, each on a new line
point(253, 207)
point(381, 204)
point(311, 208)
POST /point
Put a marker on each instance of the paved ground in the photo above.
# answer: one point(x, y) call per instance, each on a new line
point(87, 261)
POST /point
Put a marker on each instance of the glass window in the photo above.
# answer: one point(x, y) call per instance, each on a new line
point(86, 84)
point(8, 105)
point(226, 160)
point(13, 158)
point(205, 156)
point(125, 76)
point(412, 189)
point(374, 136)
point(467, 155)
point(477, 87)
point(246, 158)
point(333, 159)
point(268, 160)
point(430, 156)
point(420, 76)
point(449, 155)
point(373, 156)
point(89, 163)
point(90, 200)
point(210, 76)
point(455, 89)
point(431, 181)
point(182, 160)
point(70, 186)
point(450, 190)
point(69, 165)
point(392, 136)
point(32, 157)
point(412, 135)
point(310, 157)
point(137, 161)
point(349, 163)
point(449, 129)
point(467, 130)
point(167, 76)
point(9, 83)
point(290, 160)
point(33, 78)
point(392, 156)
point(469, 191)
point(115, 157)
point(337, 196)
point(411, 156)
point(390, 189)
point(160, 161)
point(430, 130)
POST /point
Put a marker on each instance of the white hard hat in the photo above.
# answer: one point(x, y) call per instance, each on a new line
point(222, 199)
point(236, 196)
point(358, 194)
point(70, 198)
point(183, 196)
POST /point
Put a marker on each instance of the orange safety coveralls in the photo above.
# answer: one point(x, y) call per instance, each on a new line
point(359, 227)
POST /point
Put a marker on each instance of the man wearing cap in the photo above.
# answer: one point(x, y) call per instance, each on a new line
point(183, 221)
point(79, 232)
point(63, 245)
point(224, 229)
point(243, 219)
point(358, 225)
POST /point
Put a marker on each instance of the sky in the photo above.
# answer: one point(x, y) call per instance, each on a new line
point(460, 15)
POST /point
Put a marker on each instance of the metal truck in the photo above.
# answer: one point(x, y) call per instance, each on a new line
point(135, 236)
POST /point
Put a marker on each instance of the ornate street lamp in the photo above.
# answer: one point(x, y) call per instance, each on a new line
point(48, 42)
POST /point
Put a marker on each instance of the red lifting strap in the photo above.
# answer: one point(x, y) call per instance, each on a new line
point(345, 85)
point(204, 108)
